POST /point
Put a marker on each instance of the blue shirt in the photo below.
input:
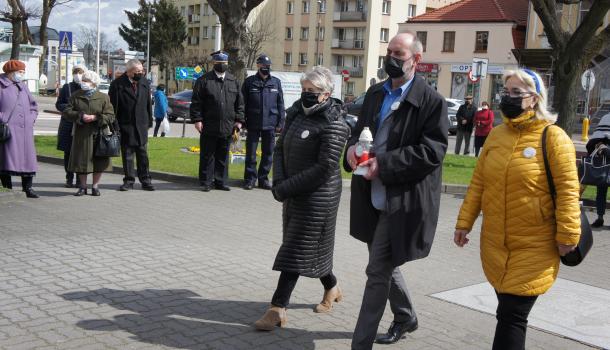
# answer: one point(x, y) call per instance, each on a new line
point(390, 97)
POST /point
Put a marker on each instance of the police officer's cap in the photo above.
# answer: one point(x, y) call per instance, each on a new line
point(264, 60)
point(220, 56)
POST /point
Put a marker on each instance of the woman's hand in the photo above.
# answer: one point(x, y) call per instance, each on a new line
point(565, 249)
point(351, 157)
point(88, 118)
point(459, 237)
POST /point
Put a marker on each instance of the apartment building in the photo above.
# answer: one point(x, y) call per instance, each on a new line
point(455, 34)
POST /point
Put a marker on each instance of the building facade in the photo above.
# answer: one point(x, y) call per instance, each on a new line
point(454, 35)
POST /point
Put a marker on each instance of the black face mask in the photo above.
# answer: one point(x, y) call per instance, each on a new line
point(265, 71)
point(221, 67)
point(137, 76)
point(511, 106)
point(393, 66)
point(309, 99)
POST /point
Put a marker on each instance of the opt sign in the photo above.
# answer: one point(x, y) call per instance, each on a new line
point(345, 74)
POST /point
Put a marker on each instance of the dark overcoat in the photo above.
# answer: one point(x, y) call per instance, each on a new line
point(133, 110)
point(82, 158)
point(64, 131)
point(410, 170)
point(307, 179)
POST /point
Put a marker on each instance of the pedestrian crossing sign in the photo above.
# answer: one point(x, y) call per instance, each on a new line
point(65, 42)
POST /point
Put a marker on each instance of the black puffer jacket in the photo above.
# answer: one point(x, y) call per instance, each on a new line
point(307, 179)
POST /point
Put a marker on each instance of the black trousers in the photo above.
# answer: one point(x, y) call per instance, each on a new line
point(26, 182)
point(69, 174)
point(600, 200)
point(213, 159)
point(140, 154)
point(287, 282)
point(267, 143)
point(512, 314)
point(157, 125)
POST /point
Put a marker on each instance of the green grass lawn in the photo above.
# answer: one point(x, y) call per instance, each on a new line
point(165, 155)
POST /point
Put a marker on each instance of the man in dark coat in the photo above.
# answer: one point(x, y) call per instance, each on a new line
point(217, 108)
point(395, 206)
point(64, 132)
point(130, 96)
point(265, 114)
point(465, 125)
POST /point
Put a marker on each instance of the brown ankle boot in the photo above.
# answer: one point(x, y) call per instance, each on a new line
point(330, 296)
point(274, 316)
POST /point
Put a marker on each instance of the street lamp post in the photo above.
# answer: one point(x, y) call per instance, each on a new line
point(148, 46)
point(317, 62)
point(97, 60)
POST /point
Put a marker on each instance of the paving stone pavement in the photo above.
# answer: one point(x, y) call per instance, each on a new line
point(183, 269)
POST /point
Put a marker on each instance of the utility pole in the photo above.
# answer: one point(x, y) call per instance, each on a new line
point(97, 60)
point(148, 45)
point(317, 61)
point(218, 30)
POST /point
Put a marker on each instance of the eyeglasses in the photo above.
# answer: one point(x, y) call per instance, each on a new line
point(516, 93)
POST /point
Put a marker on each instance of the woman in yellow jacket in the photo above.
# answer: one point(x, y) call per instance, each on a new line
point(522, 234)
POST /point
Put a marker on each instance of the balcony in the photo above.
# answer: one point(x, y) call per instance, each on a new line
point(357, 44)
point(350, 16)
point(354, 72)
point(194, 18)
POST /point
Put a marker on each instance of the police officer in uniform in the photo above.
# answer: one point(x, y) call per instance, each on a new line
point(217, 108)
point(265, 114)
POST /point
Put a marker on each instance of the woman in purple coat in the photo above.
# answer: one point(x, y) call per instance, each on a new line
point(19, 111)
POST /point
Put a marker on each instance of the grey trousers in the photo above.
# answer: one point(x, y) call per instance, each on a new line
point(462, 135)
point(384, 281)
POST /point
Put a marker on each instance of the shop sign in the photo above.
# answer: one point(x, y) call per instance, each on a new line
point(466, 67)
point(427, 68)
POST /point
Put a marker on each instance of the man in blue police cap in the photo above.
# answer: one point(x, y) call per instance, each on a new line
point(265, 114)
point(217, 108)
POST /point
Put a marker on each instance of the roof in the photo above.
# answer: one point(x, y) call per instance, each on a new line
point(52, 34)
point(478, 11)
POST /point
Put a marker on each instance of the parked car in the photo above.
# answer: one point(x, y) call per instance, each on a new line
point(103, 87)
point(355, 107)
point(453, 104)
point(179, 105)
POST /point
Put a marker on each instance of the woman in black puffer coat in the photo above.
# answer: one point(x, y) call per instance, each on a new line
point(307, 180)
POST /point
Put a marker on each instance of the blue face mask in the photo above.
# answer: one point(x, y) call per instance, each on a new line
point(17, 77)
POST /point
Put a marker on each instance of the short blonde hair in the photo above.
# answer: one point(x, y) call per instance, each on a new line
point(320, 77)
point(538, 88)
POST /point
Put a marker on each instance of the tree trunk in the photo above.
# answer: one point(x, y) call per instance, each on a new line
point(46, 12)
point(16, 44)
point(566, 78)
point(232, 39)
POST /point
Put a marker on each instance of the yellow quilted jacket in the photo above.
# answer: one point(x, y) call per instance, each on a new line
point(520, 228)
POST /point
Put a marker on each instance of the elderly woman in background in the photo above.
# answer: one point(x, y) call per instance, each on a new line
point(18, 111)
point(64, 131)
point(307, 180)
point(523, 233)
point(92, 114)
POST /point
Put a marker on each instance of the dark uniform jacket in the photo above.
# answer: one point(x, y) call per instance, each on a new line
point(264, 103)
point(64, 132)
point(466, 113)
point(410, 170)
point(133, 110)
point(307, 179)
point(217, 103)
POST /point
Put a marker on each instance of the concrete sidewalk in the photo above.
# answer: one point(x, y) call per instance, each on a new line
point(182, 269)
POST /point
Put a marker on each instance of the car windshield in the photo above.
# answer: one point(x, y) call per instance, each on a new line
point(184, 94)
point(359, 100)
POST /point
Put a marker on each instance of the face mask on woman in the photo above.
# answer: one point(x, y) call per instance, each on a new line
point(17, 77)
point(309, 99)
point(511, 107)
point(77, 78)
point(86, 86)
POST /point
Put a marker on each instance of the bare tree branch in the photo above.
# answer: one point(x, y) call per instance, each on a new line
point(546, 10)
point(589, 25)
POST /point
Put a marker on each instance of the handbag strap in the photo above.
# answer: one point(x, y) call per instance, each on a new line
point(547, 167)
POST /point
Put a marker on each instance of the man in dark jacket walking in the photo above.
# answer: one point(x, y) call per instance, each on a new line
point(394, 207)
point(465, 124)
point(64, 132)
point(265, 114)
point(217, 108)
point(130, 96)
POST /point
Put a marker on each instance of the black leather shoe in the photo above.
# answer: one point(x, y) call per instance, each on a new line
point(248, 186)
point(222, 187)
point(148, 187)
point(397, 331)
point(206, 188)
point(598, 223)
point(265, 185)
point(126, 187)
point(68, 184)
point(30, 193)
point(81, 192)
point(95, 192)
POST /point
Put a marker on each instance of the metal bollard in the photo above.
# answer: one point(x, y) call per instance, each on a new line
point(585, 129)
point(183, 126)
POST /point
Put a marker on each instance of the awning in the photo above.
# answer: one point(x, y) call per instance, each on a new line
point(534, 58)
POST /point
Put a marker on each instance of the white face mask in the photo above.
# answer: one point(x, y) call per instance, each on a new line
point(78, 78)
point(86, 86)
point(17, 77)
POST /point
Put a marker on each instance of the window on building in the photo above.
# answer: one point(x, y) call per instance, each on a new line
point(411, 10)
point(359, 5)
point(344, 6)
point(302, 59)
point(321, 6)
point(380, 61)
point(183, 11)
point(53, 50)
point(349, 88)
point(386, 7)
point(448, 41)
point(481, 42)
point(304, 33)
point(289, 7)
point(205, 32)
point(340, 61)
point(213, 35)
point(321, 32)
point(288, 58)
point(385, 34)
point(305, 7)
point(341, 33)
point(357, 61)
point(288, 33)
point(206, 9)
point(320, 60)
point(423, 37)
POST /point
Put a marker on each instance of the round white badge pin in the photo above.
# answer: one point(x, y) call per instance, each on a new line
point(395, 105)
point(529, 152)
point(304, 134)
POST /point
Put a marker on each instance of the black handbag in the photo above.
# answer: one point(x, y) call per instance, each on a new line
point(108, 145)
point(585, 243)
point(595, 168)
